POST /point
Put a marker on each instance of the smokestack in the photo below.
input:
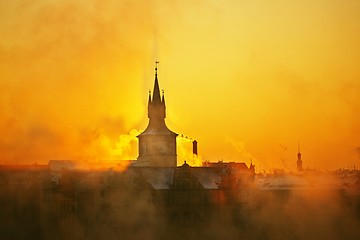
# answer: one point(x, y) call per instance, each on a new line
point(195, 151)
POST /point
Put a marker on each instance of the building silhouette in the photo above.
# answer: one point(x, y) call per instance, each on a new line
point(157, 144)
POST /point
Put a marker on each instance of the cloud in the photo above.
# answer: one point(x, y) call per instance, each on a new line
point(65, 71)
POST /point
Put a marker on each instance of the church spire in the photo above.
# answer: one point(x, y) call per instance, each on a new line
point(156, 93)
point(299, 161)
point(163, 97)
point(149, 102)
point(156, 107)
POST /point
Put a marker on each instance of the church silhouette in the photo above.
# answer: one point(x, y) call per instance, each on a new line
point(157, 144)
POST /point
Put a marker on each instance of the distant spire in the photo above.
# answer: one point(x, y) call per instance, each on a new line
point(252, 166)
point(156, 93)
point(299, 161)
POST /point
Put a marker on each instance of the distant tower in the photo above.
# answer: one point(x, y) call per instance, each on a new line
point(157, 144)
point(299, 161)
point(252, 168)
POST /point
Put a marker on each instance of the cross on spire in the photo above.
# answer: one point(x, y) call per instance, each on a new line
point(156, 66)
point(156, 93)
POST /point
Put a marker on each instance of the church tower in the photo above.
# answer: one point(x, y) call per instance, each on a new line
point(299, 161)
point(157, 144)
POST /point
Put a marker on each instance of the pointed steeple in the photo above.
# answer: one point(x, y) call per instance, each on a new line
point(252, 166)
point(163, 96)
point(299, 161)
point(156, 92)
point(163, 103)
point(156, 107)
point(149, 102)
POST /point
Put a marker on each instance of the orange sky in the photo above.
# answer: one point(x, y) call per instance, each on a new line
point(246, 79)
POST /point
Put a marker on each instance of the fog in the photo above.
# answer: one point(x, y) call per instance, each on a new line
point(123, 205)
point(73, 71)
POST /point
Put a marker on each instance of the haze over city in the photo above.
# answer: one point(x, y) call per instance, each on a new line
point(247, 80)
